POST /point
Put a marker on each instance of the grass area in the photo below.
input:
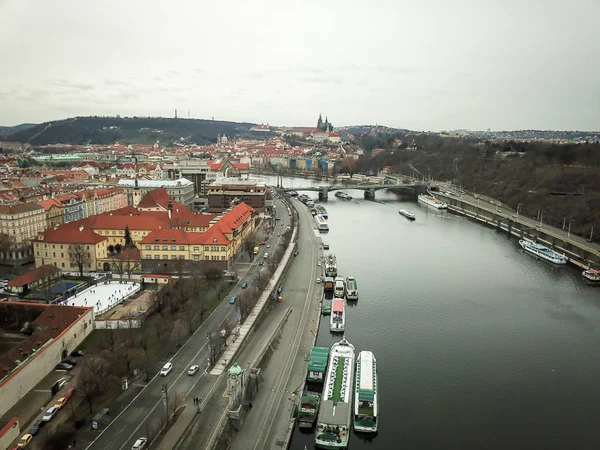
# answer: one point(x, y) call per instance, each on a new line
point(339, 376)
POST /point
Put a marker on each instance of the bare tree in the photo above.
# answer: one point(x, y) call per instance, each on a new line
point(160, 326)
point(176, 404)
point(126, 262)
point(94, 378)
point(188, 314)
point(79, 256)
point(110, 337)
point(250, 242)
point(6, 245)
point(58, 438)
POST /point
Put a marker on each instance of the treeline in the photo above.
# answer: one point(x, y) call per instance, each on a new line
point(97, 130)
point(559, 179)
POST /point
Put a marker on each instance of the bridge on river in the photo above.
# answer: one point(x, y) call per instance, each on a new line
point(369, 189)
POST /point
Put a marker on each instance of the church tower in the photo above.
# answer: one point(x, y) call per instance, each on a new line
point(319, 123)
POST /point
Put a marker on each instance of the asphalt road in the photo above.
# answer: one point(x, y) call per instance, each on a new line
point(147, 408)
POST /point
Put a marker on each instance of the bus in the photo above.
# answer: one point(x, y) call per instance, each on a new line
point(256, 249)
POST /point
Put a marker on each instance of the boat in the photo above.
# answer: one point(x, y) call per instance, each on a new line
point(366, 408)
point(328, 284)
point(322, 224)
point(339, 288)
point(308, 409)
point(317, 365)
point(330, 265)
point(333, 422)
point(313, 211)
point(408, 214)
point(310, 203)
point(343, 195)
point(326, 306)
point(543, 252)
point(321, 211)
point(351, 288)
point(432, 201)
point(337, 320)
point(592, 276)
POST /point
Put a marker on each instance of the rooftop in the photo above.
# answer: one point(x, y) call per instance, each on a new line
point(181, 182)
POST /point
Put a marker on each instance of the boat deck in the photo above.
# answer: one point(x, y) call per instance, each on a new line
point(337, 386)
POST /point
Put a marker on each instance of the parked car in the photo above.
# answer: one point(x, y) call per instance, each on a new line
point(140, 444)
point(36, 427)
point(166, 369)
point(296, 253)
point(232, 299)
point(77, 353)
point(268, 245)
point(261, 262)
point(194, 369)
point(49, 414)
point(71, 362)
point(318, 280)
point(25, 440)
point(244, 285)
point(63, 366)
point(70, 393)
point(263, 243)
point(61, 402)
point(280, 288)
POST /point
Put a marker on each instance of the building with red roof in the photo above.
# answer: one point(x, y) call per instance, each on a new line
point(33, 278)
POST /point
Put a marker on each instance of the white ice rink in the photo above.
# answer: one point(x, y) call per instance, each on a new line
point(104, 296)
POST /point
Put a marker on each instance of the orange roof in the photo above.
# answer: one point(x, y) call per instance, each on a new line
point(34, 275)
point(47, 204)
point(236, 216)
point(70, 235)
point(338, 306)
point(167, 235)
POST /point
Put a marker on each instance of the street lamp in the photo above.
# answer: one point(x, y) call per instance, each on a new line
point(569, 232)
point(542, 218)
point(518, 209)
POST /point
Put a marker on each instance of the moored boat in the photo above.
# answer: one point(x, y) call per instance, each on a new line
point(343, 195)
point(321, 211)
point(333, 423)
point(408, 214)
point(329, 283)
point(432, 201)
point(366, 408)
point(308, 409)
point(592, 276)
point(317, 365)
point(351, 288)
point(326, 307)
point(321, 224)
point(330, 265)
point(543, 252)
point(339, 287)
point(337, 321)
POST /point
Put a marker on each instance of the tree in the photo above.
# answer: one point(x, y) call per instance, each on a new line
point(59, 438)
point(128, 240)
point(213, 275)
point(188, 314)
point(6, 245)
point(118, 248)
point(126, 261)
point(79, 256)
point(94, 379)
point(250, 242)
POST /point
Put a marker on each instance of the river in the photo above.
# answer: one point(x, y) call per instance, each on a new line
point(479, 345)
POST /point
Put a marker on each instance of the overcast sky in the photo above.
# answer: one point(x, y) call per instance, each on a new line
point(423, 65)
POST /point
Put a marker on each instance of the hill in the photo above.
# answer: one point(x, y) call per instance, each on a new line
point(6, 131)
point(126, 130)
point(561, 180)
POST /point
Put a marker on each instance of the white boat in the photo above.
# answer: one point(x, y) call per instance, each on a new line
point(330, 265)
point(343, 195)
point(543, 252)
point(322, 224)
point(366, 408)
point(333, 423)
point(408, 214)
point(339, 287)
point(432, 201)
point(351, 288)
point(592, 276)
point(337, 320)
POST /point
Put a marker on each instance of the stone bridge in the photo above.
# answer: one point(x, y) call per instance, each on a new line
point(369, 189)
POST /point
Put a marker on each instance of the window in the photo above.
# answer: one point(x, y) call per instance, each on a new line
point(147, 247)
point(54, 254)
point(157, 247)
point(222, 249)
point(196, 249)
point(63, 264)
point(181, 257)
point(148, 256)
point(207, 257)
point(173, 247)
point(173, 256)
point(222, 258)
point(165, 256)
point(156, 256)
point(196, 258)
point(165, 247)
point(37, 253)
point(114, 232)
point(62, 255)
point(181, 248)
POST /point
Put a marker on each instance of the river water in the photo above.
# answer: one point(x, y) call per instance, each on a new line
point(479, 345)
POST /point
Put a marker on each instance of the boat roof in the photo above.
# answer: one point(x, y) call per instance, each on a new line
point(329, 279)
point(367, 361)
point(334, 414)
point(338, 305)
point(318, 359)
point(593, 271)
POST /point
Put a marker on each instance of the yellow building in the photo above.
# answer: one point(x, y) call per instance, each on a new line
point(54, 212)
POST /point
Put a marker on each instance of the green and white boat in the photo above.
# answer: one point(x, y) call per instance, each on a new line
point(333, 424)
point(308, 409)
point(366, 408)
point(317, 365)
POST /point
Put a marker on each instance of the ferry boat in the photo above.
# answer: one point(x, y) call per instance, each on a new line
point(317, 365)
point(543, 252)
point(322, 224)
point(408, 214)
point(351, 288)
point(343, 195)
point(308, 408)
point(328, 284)
point(333, 423)
point(432, 201)
point(592, 276)
point(330, 265)
point(366, 409)
point(337, 320)
point(340, 287)
point(321, 211)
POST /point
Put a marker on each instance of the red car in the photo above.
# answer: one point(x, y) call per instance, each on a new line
point(70, 392)
point(263, 243)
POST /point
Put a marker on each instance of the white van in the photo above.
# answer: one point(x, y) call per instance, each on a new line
point(266, 255)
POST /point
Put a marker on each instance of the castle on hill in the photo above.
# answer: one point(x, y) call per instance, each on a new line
point(324, 126)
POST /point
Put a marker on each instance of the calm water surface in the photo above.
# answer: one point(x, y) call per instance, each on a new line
point(479, 345)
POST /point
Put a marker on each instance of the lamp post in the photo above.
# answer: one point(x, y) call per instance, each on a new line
point(542, 218)
point(569, 232)
point(519, 209)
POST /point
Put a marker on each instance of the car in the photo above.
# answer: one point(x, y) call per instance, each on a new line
point(77, 353)
point(296, 253)
point(166, 369)
point(288, 229)
point(318, 263)
point(49, 415)
point(261, 262)
point(280, 288)
point(232, 299)
point(318, 280)
point(277, 218)
point(193, 370)
point(244, 285)
point(25, 440)
point(70, 362)
point(70, 393)
point(140, 444)
point(268, 245)
point(263, 243)
point(266, 255)
point(63, 366)
point(61, 402)
point(36, 427)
